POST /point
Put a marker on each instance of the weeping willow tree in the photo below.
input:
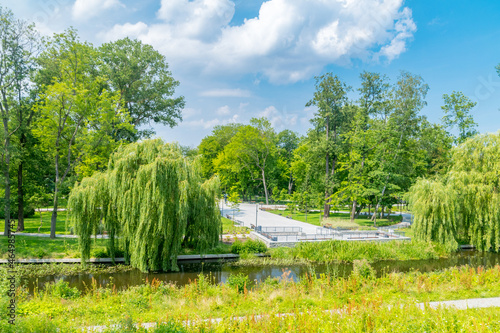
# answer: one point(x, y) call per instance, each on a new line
point(152, 200)
point(464, 204)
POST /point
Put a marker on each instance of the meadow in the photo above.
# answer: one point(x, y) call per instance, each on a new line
point(324, 303)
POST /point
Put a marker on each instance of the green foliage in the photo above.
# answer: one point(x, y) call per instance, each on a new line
point(249, 246)
point(463, 205)
point(363, 269)
point(62, 289)
point(342, 251)
point(238, 281)
point(140, 75)
point(318, 302)
point(152, 199)
point(456, 113)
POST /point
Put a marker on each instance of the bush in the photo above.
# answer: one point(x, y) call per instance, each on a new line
point(63, 290)
point(238, 281)
point(250, 246)
point(363, 269)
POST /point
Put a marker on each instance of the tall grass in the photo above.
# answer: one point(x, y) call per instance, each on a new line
point(342, 251)
point(359, 302)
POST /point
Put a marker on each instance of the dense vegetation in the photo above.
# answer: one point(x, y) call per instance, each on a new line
point(462, 205)
point(361, 302)
point(362, 153)
point(153, 201)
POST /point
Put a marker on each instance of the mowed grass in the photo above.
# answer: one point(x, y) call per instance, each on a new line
point(336, 219)
point(228, 227)
point(31, 224)
point(28, 247)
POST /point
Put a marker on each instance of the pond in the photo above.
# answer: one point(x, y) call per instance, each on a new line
point(218, 272)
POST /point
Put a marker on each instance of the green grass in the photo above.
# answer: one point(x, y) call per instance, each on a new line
point(44, 247)
point(31, 224)
point(28, 247)
point(342, 251)
point(336, 219)
point(358, 303)
point(228, 227)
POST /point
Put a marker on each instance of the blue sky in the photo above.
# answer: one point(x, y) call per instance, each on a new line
point(241, 59)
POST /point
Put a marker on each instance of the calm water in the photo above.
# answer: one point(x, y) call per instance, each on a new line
point(218, 272)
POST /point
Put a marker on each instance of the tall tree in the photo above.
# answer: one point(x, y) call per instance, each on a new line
point(464, 204)
point(18, 47)
point(212, 145)
point(152, 200)
point(77, 116)
point(332, 120)
point(254, 148)
point(457, 109)
point(141, 77)
point(403, 123)
point(288, 141)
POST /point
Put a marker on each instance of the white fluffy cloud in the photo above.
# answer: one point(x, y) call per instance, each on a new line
point(290, 40)
point(85, 9)
point(278, 119)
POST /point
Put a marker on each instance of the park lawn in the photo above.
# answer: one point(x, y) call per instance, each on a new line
point(336, 219)
point(228, 227)
point(28, 247)
point(32, 223)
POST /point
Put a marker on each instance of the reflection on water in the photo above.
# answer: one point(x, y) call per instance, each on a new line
point(218, 272)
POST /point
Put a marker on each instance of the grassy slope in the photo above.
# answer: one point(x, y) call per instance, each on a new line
point(360, 303)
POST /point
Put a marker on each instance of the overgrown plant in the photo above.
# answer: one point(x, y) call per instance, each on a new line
point(153, 201)
point(464, 205)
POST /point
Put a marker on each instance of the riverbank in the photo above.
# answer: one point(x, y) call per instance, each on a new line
point(360, 299)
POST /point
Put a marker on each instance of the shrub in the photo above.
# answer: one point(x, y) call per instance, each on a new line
point(62, 289)
point(238, 281)
point(250, 246)
point(363, 269)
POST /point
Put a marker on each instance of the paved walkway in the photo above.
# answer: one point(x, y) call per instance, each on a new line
point(247, 215)
point(462, 304)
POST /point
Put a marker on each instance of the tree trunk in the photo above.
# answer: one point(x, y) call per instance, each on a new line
point(7, 199)
point(326, 212)
point(353, 210)
point(290, 184)
point(20, 198)
point(7, 179)
point(265, 187)
point(54, 215)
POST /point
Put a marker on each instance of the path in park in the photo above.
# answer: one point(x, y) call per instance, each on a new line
point(247, 215)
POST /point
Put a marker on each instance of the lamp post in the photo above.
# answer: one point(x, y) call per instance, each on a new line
point(256, 213)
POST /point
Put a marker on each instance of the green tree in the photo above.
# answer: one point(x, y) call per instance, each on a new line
point(332, 120)
point(253, 148)
point(464, 204)
point(140, 76)
point(288, 141)
point(212, 145)
point(19, 42)
point(77, 116)
point(152, 200)
point(457, 109)
point(395, 152)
